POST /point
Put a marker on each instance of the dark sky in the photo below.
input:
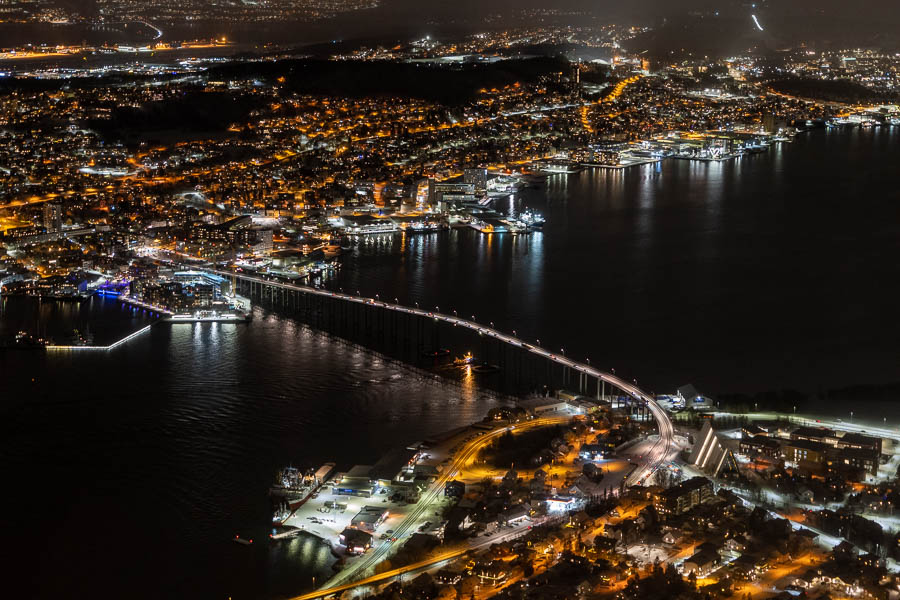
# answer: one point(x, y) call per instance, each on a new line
point(831, 23)
point(877, 11)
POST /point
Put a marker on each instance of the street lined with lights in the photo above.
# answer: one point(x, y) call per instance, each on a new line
point(658, 453)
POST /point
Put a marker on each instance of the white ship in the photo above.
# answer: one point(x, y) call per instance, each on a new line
point(210, 316)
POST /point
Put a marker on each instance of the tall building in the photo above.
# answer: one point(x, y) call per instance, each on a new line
point(447, 194)
point(52, 217)
point(683, 497)
point(424, 193)
point(477, 177)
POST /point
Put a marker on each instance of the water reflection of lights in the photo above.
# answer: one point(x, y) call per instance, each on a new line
point(468, 384)
point(307, 548)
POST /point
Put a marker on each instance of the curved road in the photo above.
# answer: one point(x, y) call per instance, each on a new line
point(652, 459)
point(463, 456)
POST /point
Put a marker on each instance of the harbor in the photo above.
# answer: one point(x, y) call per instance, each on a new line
point(181, 298)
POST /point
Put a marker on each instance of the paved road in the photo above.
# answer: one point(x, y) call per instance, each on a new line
point(423, 565)
point(651, 461)
point(407, 525)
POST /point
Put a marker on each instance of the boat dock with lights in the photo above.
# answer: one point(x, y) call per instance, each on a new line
point(210, 316)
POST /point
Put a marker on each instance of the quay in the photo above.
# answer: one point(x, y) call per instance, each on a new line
point(624, 163)
point(209, 317)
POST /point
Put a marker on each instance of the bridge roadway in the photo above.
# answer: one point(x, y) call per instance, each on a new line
point(652, 459)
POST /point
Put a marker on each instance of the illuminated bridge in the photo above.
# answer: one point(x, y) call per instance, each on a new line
point(379, 323)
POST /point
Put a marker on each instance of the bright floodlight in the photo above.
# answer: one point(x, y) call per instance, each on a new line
point(755, 20)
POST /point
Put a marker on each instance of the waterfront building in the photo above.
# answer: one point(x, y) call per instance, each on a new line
point(395, 466)
point(355, 482)
point(536, 406)
point(448, 194)
point(369, 518)
point(355, 540)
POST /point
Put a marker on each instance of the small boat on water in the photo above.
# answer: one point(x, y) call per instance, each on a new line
point(243, 541)
point(435, 353)
point(465, 359)
point(532, 219)
point(211, 316)
point(24, 340)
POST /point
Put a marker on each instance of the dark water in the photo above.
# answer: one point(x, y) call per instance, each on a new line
point(777, 270)
point(127, 473)
point(102, 321)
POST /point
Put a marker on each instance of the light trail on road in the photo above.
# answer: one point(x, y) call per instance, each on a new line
point(651, 461)
point(463, 456)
